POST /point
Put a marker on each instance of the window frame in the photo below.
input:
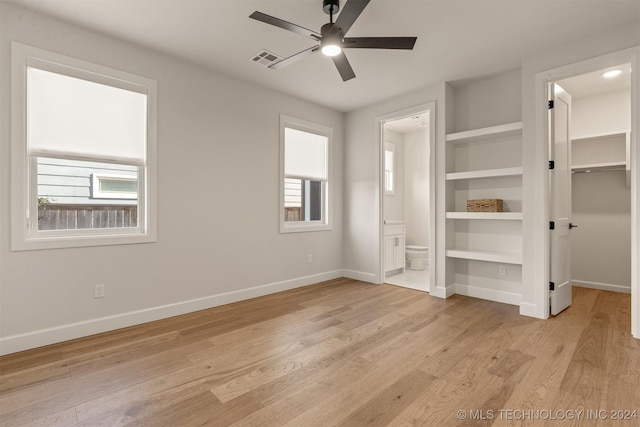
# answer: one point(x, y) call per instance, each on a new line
point(24, 194)
point(318, 129)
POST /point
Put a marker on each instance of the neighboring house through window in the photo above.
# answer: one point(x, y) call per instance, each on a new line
point(305, 149)
point(83, 164)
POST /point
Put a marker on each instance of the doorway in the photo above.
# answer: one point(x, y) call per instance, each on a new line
point(406, 190)
point(603, 146)
point(601, 175)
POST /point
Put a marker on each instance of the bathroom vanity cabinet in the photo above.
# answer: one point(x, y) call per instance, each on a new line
point(394, 244)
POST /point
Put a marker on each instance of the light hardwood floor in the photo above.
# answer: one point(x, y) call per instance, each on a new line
point(339, 353)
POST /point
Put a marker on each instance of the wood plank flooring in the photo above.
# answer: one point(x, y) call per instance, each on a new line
point(340, 353)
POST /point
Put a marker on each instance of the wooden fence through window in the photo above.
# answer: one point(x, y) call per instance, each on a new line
point(291, 214)
point(69, 217)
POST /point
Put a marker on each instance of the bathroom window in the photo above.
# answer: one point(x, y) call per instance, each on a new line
point(389, 178)
point(304, 149)
point(83, 163)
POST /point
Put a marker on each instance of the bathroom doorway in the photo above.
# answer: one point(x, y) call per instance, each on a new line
point(407, 187)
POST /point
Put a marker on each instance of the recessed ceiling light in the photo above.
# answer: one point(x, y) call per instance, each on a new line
point(611, 74)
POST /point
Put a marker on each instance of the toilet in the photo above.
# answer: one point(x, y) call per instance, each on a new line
point(417, 257)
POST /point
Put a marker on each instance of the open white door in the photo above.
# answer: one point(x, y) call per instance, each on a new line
point(560, 198)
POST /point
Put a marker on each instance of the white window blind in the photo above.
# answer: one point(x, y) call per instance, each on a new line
point(76, 117)
point(305, 155)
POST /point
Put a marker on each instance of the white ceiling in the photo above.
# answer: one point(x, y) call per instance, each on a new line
point(409, 124)
point(457, 39)
point(594, 83)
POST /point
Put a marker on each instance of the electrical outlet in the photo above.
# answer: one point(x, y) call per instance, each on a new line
point(98, 291)
point(502, 270)
point(309, 258)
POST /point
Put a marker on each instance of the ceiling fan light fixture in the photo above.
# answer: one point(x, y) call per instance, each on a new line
point(331, 49)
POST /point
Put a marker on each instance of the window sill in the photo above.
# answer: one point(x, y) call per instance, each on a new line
point(76, 241)
point(303, 227)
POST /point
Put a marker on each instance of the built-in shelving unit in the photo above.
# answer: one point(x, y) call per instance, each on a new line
point(484, 249)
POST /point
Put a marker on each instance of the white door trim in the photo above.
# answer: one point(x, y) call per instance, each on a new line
point(542, 79)
point(380, 120)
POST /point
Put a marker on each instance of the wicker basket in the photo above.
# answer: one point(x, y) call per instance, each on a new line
point(484, 205)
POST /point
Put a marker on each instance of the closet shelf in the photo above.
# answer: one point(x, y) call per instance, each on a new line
point(584, 138)
point(515, 216)
point(621, 165)
point(491, 256)
point(487, 173)
point(492, 132)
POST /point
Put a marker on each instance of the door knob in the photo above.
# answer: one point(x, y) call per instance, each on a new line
point(572, 226)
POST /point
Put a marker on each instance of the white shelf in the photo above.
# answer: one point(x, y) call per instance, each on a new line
point(477, 135)
point(487, 173)
point(621, 165)
point(491, 256)
point(582, 138)
point(513, 216)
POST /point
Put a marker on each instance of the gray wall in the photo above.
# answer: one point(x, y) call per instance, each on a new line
point(212, 130)
point(416, 178)
point(601, 245)
point(601, 201)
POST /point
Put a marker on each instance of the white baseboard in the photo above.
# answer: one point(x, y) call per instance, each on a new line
point(443, 292)
point(359, 275)
point(528, 309)
point(29, 340)
point(602, 286)
point(488, 294)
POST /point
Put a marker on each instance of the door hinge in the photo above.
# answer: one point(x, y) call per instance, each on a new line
point(551, 104)
point(552, 286)
point(552, 164)
point(552, 225)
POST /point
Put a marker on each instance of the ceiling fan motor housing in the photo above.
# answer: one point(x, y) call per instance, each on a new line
point(330, 30)
point(328, 4)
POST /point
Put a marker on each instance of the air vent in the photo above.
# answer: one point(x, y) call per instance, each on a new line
point(265, 58)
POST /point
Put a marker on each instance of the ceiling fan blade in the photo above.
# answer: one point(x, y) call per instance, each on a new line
point(294, 58)
point(379, 42)
point(271, 20)
point(350, 13)
point(343, 66)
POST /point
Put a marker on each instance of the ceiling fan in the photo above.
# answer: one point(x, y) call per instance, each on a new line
point(332, 36)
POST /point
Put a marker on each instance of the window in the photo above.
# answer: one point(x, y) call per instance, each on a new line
point(83, 161)
point(114, 186)
point(389, 183)
point(304, 148)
